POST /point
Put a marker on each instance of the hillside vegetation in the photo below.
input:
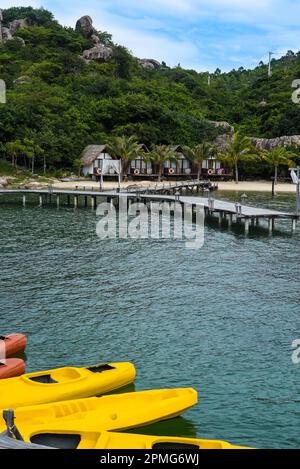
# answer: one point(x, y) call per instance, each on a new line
point(66, 103)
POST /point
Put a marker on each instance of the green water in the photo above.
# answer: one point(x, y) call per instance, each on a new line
point(221, 319)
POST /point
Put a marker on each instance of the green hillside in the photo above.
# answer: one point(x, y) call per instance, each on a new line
point(66, 103)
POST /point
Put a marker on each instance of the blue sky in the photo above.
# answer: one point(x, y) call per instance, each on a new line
point(199, 34)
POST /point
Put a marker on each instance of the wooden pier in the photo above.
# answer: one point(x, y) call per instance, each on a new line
point(231, 212)
point(173, 188)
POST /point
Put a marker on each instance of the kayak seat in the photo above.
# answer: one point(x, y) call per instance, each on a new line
point(45, 379)
point(170, 445)
point(59, 441)
point(100, 368)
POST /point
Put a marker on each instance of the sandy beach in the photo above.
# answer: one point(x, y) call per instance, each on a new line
point(245, 186)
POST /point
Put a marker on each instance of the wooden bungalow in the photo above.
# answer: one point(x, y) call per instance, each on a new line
point(139, 167)
point(93, 156)
point(92, 160)
point(181, 167)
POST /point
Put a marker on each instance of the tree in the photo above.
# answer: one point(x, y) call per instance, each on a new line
point(77, 165)
point(276, 157)
point(198, 154)
point(159, 155)
point(239, 149)
point(123, 60)
point(125, 148)
point(32, 150)
point(14, 150)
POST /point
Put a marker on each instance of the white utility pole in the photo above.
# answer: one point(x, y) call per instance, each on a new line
point(295, 175)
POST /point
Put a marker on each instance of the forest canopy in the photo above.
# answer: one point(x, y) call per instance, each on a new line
point(65, 103)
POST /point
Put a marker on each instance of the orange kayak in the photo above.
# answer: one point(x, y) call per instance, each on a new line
point(12, 344)
point(11, 368)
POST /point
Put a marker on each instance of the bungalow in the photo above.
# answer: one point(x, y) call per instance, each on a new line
point(93, 157)
point(183, 167)
point(92, 160)
point(139, 167)
point(180, 167)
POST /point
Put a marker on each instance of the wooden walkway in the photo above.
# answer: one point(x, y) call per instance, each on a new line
point(224, 210)
point(173, 187)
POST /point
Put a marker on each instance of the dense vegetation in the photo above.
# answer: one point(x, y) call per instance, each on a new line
point(68, 104)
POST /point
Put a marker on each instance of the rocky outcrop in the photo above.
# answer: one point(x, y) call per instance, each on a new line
point(18, 24)
point(99, 53)
point(269, 143)
point(85, 27)
point(3, 182)
point(222, 142)
point(225, 125)
point(7, 34)
point(24, 80)
point(149, 64)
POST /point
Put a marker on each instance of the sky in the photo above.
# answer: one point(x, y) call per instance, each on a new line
point(198, 34)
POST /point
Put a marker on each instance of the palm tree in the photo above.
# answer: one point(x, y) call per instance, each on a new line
point(276, 157)
point(239, 149)
point(198, 154)
point(125, 148)
point(160, 155)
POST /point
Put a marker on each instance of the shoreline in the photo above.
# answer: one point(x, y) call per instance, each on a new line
point(244, 186)
point(230, 186)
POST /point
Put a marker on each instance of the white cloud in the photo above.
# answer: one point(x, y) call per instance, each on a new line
point(200, 34)
point(19, 3)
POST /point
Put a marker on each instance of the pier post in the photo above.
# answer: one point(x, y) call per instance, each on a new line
point(220, 218)
point(230, 220)
point(24, 200)
point(57, 201)
point(294, 223)
point(85, 201)
point(271, 223)
point(75, 201)
point(40, 200)
point(246, 226)
point(69, 200)
point(93, 202)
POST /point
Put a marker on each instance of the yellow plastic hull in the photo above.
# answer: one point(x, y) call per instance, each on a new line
point(93, 415)
point(64, 384)
point(109, 440)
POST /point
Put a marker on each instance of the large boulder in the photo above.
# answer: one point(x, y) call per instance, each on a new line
point(85, 26)
point(18, 24)
point(149, 64)
point(99, 53)
point(6, 34)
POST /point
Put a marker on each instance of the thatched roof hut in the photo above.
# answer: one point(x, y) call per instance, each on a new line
point(91, 153)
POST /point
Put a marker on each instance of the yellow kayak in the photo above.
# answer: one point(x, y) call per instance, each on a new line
point(88, 417)
point(63, 384)
point(107, 440)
